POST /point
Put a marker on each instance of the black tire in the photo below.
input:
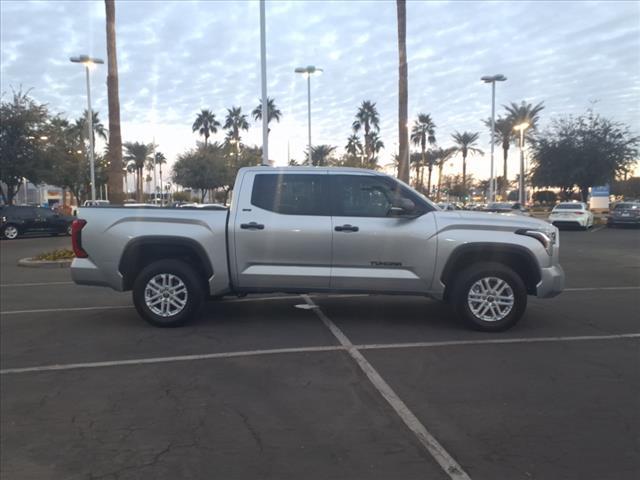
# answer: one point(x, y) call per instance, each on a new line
point(466, 280)
point(192, 300)
point(10, 228)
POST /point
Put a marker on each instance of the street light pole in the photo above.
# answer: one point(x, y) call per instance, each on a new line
point(309, 113)
point(308, 71)
point(88, 62)
point(492, 80)
point(521, 127)
point(92, 161)
point(263, 68)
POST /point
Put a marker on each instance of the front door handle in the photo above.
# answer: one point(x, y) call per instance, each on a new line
point(252, 226)
point(346, 228)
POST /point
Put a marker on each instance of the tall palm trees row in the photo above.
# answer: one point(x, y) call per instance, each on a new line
point(366, 120)
point(138, 157)
point(505, 134)
point(465, 143)
point(235, 122)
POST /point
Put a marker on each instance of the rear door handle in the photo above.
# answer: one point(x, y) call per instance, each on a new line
point(346, 228)
point(252, 226)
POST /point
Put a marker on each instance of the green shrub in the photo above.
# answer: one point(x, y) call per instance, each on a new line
point(62, 254)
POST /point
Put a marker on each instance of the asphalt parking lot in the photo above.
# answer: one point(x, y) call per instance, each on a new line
point(326, 387)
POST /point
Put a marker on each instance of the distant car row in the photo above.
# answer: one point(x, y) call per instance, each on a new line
point(565, 214)
point(496, 207)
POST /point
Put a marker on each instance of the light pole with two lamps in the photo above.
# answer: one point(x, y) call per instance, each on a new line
point(307, 72)
point(88, 63)
point(492, 79)
point(521, 127)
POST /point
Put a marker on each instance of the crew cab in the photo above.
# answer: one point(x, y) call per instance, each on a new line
point(310, 229)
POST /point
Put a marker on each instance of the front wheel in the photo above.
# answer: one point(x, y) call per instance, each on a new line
point(168, 293)
point(490, 297)
point(10, 232)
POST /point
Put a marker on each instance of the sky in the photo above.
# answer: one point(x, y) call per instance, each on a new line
point(175, 58)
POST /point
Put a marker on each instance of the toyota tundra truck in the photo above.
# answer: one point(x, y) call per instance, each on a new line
point(312, 229)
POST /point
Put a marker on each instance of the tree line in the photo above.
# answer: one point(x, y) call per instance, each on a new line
point(574, 152)
point(45, 147)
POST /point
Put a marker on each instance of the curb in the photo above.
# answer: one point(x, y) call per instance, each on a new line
point(30, 262)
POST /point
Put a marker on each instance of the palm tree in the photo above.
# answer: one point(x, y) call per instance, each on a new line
point(504, 136)
point(354, 146)
point(415, 162)
point(205, 124)
point(320, 155)
point(423, 131)
point(273, 113)
point(525, 112)
point(80, 126)
point(160, 159)
point(443, 156)
point(113, 96)
point(403, 91)
point(465, 144)
point(375, 144)
point(130, 168)
point(233, 123)
point(137, 154)
point(367, 119)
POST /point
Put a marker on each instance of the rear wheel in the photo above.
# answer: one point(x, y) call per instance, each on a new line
point(489, 296)
point(10, 232)
point(168, 293)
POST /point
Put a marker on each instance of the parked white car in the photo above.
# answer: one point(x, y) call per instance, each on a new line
point(571, 214)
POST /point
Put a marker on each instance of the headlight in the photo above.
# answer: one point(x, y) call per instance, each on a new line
point(546, 238)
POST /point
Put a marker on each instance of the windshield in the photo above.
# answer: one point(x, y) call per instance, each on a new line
point(627, 206)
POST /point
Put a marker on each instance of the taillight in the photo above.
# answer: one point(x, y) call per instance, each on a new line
point(76, 238)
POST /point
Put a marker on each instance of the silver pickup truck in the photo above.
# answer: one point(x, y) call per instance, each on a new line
point(306, 229)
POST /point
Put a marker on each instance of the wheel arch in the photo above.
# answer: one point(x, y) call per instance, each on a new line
point(516, 257)
point(140, 252)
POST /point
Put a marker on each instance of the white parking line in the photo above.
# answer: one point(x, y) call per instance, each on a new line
point(595, 289)
point(181, 358)
point(42, 284)
point(75, 309)
point(428, 441)
point(249, 353)
point(493, 341)
point(111, 307)
point(597, 229)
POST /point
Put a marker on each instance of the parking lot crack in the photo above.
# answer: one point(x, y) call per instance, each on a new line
point(254, 433)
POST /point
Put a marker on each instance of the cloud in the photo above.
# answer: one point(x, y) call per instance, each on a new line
point(178, 57)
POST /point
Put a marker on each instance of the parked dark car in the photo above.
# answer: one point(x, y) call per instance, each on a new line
point(506, 207)
point(624, 213)
point(16, 221)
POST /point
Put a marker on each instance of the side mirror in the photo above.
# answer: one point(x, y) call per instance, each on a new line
point(403, 206)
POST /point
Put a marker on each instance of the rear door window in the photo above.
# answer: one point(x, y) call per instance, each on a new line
point(291, 194)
